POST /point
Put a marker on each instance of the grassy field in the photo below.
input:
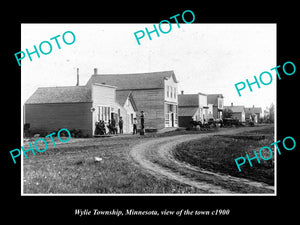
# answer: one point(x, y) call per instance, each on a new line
point(217, 154)
point(70, 168)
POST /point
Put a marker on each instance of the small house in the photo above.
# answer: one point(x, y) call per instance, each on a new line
point(126, 109)
point(238, 112)
point(254, 114)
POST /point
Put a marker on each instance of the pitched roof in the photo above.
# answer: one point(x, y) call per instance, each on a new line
point(188, 100)
point(253, 110)
point(122, 96)
point(133, 81)
point(235, 108)
point(187, 111)
point(213, 98)
point(69, 94)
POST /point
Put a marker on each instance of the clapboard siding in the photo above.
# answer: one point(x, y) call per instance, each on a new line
point(50, 117)
point(151, 101)
point(126, 112)
point(150, 92)
point(103, 95)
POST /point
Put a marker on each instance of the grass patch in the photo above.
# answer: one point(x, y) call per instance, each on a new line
point(217, 154)
point(71, 168)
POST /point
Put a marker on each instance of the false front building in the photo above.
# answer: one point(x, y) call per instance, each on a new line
point(154, 93)
point(192, 107)
point(216, 103)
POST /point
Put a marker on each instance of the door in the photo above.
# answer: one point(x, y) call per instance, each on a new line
point(111, 115)
point(172, 119)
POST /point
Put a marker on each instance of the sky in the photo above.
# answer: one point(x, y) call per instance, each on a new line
point(207, 58)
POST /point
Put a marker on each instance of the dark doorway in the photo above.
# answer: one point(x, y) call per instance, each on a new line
point(112, 115)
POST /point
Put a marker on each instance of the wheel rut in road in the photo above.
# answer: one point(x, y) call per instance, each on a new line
point(155, 156)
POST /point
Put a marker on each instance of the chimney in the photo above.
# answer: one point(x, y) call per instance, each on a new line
point(231, 103)
point(253, 106)
point(77, 77)
point(182, 92)
point(95, 71)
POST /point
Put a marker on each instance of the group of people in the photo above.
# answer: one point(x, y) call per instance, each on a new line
point(100, 128)
point(135, 124)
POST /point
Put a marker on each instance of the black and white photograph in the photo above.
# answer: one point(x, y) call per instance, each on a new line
point(162, 117)
point(159, 114)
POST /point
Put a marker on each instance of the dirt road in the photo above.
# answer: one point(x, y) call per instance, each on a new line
point(155, 156)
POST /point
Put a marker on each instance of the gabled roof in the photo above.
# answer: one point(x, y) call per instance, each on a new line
point(69, 94)
point(122, 96)
point(213, 98)
point(254, 110)
point(133, 81)
point(235, 108)
point(187, 111)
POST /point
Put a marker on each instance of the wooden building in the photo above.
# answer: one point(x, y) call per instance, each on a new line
point(154, 93)
point(217, 102)
point(192, 107)
point(126, 109)
point(238, 112)
point(253, 114)
point(77, 107)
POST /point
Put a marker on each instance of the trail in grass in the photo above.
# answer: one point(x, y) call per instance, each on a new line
point(155, 156)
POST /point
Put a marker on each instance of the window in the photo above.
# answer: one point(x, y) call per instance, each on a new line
point(131, 116)
point(175, 93)
point(171, 88)
point(220, 103)
point(167, 116)
point(103, 113)
point(167, 87)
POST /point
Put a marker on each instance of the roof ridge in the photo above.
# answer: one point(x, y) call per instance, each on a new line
point(134, 80)
point(81, 86)
point(133, 73)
